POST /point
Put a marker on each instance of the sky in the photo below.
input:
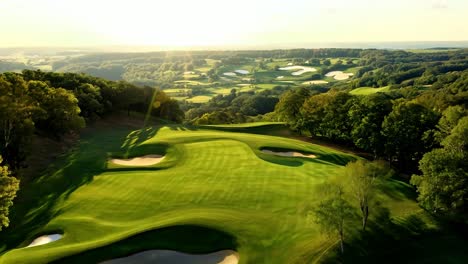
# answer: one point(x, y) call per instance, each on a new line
point(191, 23)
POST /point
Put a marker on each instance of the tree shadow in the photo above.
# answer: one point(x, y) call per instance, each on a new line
point(407, 240)
point(177, 127)
point(398, 190)
point(185, 238)
point(35, 205)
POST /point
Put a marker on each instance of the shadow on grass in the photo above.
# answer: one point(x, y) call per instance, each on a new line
point(406, 241)
point(36, 202)
point(267, 129)
point(398, 190)
point(176, 127)
point(185, 238)
point(299, 161)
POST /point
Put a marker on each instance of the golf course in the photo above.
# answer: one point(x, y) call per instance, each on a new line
point(205, 190)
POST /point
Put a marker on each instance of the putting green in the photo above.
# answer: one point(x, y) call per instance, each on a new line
point(214, 179)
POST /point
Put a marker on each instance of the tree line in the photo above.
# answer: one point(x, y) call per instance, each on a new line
point(420, 132)
point(54, 104)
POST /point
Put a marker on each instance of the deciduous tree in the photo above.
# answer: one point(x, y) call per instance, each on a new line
point(334, 213)
point(8, 187)
point(363, 178)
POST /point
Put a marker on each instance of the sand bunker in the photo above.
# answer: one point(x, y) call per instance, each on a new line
point(46, 239)
point(174, 257)
point(301, 69)
point(289, 154)
point(242, 71)
point(280, 77)
point(315, 82)
point(147, 160)
point(230, 74)
point(339, 75)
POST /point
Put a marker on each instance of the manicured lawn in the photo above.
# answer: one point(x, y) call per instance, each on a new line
point(214, 190)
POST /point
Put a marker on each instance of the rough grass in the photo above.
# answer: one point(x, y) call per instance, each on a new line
point(211, 179)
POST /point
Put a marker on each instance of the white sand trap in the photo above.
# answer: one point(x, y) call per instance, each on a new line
point(301, 69)
point(343, 76)
point(45, 240)
point(289, 64)
point(243, 84)
point(230, 74)
point(147, 160)
point(339, 75)
point(280, 77)
point(174, 257)
point(189, 72)
point(315, 82)
point(242, 71)
point(289, 154)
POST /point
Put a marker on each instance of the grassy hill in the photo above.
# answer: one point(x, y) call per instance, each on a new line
point(214, 190)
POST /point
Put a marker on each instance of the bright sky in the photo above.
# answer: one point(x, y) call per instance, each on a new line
point(183, 23)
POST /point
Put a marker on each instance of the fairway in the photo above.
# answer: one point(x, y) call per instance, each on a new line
point(219, 184)
point(369, 90)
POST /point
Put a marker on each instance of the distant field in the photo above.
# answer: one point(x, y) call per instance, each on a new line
point(369, 90)
point(177, 90)
point(432, 50)
point(199, 99)
point(189, 82)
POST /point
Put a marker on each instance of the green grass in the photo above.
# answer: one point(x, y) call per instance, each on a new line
point(369, 90)
point(215, 182)
point(199, 99)
point(203, 69)
point(191, 76)
point(189, 82)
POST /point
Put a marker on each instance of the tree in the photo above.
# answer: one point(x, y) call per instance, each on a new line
point(333, 213)
point(367, 115)
point(8, 187)
point(89, 98)
point(17, 110)
point(164, 107)
point(405, 130)
point(363, 178)
point(326, 115)
point(326, 62)
point(449, 120)
point(289, 105)
point(443, 185)
point(63, 113)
